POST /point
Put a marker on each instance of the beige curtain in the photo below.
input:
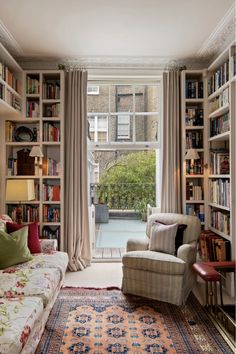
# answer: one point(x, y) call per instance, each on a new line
point(171, 162)
point(77, 243)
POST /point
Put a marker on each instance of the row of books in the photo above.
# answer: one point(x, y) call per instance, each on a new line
point(12, 167)
point(194, 116)
point(51, 214)
point(193, 192)
point(220, 221)
point(11, 128)
point(9, 78)
point(51, 89)
point(194, 140)
point(50, 233)
point(194, 89)
point(213, 248)
point(50, 167)
point(196, 210)
point(220, 192)
point(194, 167)
point(233, 63)
point(30, 213)
point(51, 132)
point(51, 192)
point(10, 98)
point(220, 101)
point(219, 162)
point(32, 109)
point(32, 85)
point(51, 110)
point(219, 78)
point(219, 125)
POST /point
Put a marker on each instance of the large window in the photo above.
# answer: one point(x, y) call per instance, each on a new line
point(124, 113)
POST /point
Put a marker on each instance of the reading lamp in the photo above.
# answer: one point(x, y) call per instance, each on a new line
point(21, 190)
point(192, 155)
point(37, 153)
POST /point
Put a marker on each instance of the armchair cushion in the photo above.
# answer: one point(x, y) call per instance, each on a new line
point(156, 262)
point(162, 238)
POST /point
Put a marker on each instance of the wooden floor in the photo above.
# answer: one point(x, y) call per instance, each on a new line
point(108, 253)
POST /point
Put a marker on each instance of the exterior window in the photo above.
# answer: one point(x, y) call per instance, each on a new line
point(93, 90)
point(123, 127)
point(98, 129)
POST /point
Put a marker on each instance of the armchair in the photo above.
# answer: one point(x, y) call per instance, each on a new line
point(159, 275)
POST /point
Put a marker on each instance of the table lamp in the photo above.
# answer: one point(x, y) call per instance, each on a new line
point(37, 153)
point(21, 190)
point(192, 155)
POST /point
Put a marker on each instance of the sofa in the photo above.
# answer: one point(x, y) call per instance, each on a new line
point(27, 293)
point(157, 274)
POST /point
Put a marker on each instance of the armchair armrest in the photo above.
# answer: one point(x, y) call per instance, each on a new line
point(137, 245)
point(188, 252)
point(48, 245)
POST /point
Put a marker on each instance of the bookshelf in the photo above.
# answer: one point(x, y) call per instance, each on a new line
point(221, 147)
point(10, 84)
point(42, 125)
point(193, 137)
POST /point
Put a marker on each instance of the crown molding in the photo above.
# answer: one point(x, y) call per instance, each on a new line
point(9, 41)
point(222, 36)
point(111, 62)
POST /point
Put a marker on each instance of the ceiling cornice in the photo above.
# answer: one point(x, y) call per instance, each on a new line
point(222, 36)
point(9, 41)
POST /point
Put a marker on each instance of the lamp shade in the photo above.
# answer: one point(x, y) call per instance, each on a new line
point(36, 151)
point(192, 154)
point(20, 190)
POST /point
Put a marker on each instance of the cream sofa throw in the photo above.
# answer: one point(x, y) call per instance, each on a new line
point(76, 240)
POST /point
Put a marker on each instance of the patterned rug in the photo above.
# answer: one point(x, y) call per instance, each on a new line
point(106, 321)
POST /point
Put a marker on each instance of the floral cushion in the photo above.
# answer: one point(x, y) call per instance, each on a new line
point(41, 282)
point(17, 319)
point(3, 222)
point(58, 260)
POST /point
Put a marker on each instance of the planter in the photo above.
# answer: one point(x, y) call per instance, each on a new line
point(101, 213)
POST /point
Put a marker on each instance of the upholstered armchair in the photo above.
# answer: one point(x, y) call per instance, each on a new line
point(158, 275)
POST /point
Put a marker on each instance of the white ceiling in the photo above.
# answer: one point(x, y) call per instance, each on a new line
point(135, 28)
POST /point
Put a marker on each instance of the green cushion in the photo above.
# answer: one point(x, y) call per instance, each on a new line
point(14, 248)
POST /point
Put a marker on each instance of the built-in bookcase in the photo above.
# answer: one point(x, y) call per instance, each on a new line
point(41, 124)
point(221, 149)
point(193, 137)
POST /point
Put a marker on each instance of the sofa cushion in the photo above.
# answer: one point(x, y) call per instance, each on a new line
point(162, 238)
point(154, 261)
point(3, 222)
point(57, 260)
point(17, 320)
point(33, 235)
point(42, 282)
point(13, 248)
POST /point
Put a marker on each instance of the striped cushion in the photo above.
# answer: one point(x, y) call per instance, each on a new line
point(162, 238)
point(156, 262)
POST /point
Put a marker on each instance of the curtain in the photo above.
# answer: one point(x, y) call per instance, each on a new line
point(76, 240)
point(171, 201)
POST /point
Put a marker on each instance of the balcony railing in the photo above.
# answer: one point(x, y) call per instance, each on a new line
point(123, 196)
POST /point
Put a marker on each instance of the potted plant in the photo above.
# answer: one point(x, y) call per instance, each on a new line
point(141, 208)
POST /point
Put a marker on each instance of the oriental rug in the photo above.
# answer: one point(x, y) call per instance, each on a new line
point(100, 321)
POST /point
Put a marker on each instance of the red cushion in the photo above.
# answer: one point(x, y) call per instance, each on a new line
point(33, 235)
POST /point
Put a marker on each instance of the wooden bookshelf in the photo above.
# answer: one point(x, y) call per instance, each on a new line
point(221, 147)
point(193, 137)
point(41, 91)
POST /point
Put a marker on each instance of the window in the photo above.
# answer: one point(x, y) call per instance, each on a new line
point(98, 128)
point(123, 127)
point(93, 90)
point(128, 113)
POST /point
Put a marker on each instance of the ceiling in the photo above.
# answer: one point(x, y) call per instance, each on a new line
point(107, 28)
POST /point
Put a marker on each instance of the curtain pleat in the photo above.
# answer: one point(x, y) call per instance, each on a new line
point(77, 243)
point(171, 200)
